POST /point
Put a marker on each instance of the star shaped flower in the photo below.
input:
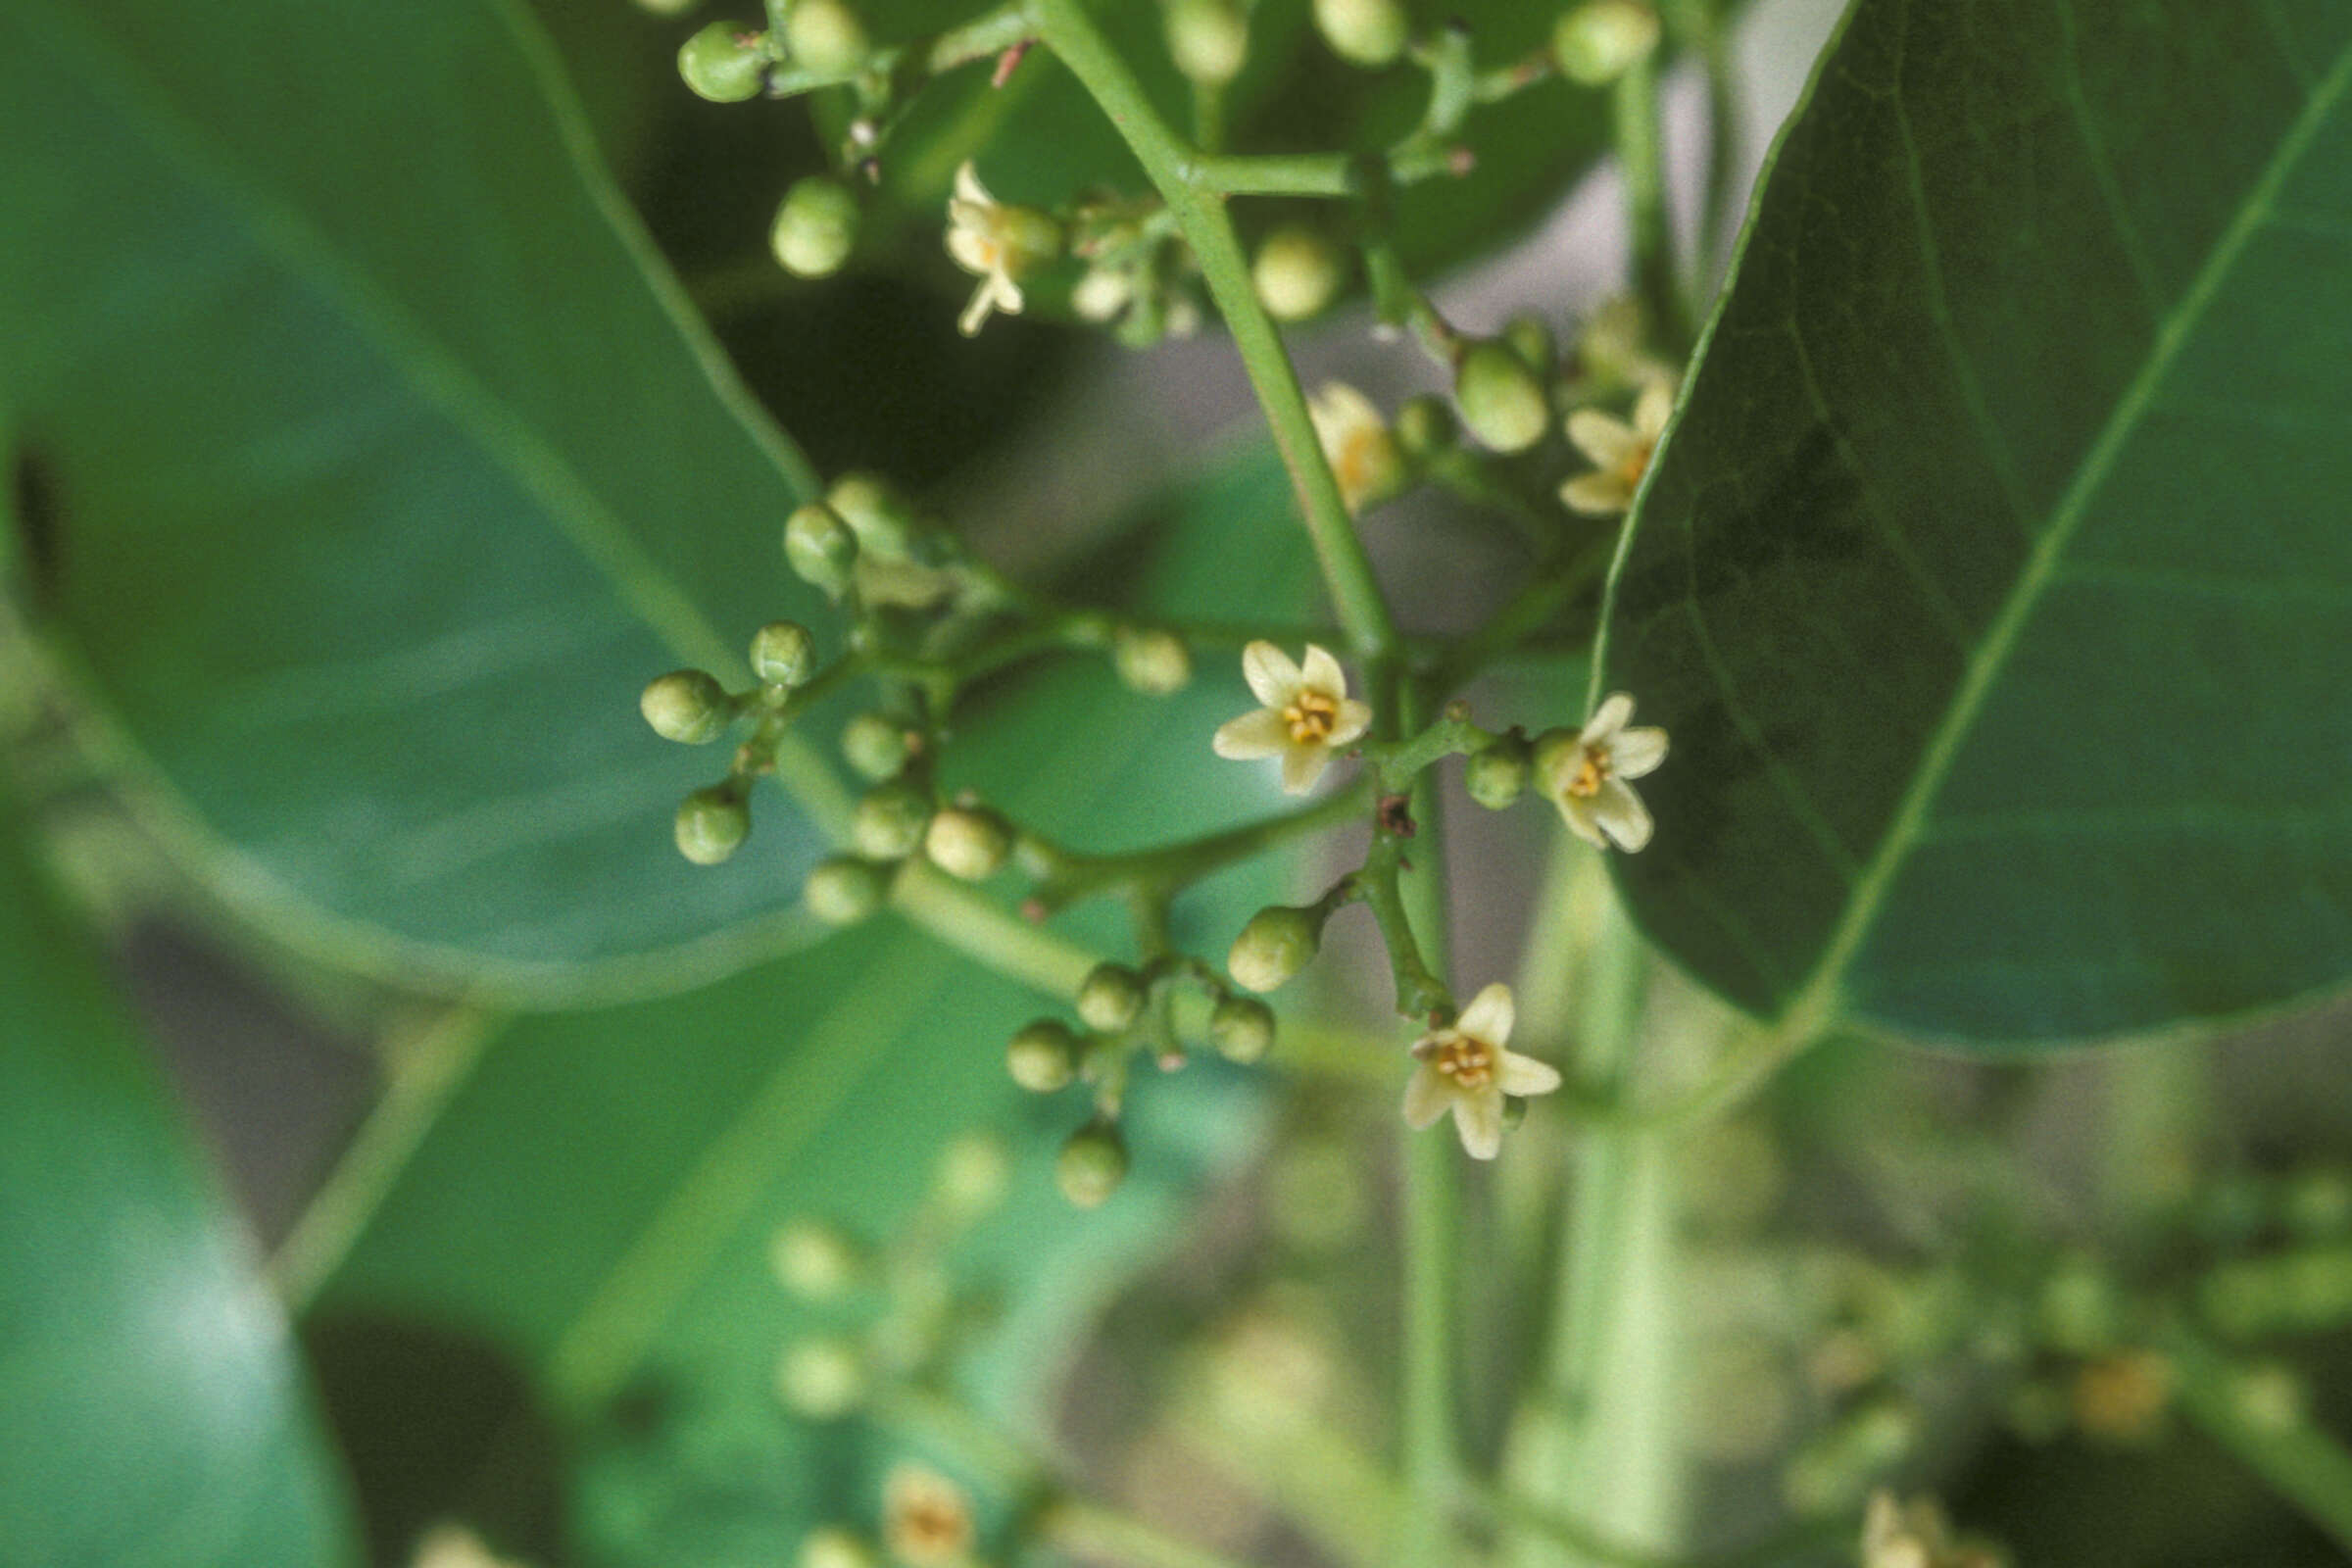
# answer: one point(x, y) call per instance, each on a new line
point(1307, 714)
point(1585, 775)
point(1465, 1069)
point(1620, 452)
point(997, 243)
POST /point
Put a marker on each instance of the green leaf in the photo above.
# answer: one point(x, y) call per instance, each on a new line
point(155, 1411)
point(1992, 583)
point(387, 469)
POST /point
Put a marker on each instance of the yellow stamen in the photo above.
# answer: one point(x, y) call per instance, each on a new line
point(1311, 716)
point(1466, 1059)
point(1589, 773)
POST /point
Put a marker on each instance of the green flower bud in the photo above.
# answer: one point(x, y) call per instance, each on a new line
point(825, 38)
point(816, 228)
point(1296, 274)
point(1043, 1057)
point(1502, 402)
point(1602, 39)
point(835, 1547)
point(1425, 427)
point(1209, 40)
point(712, 824)
point(2078, 1312)
point(1242, 1028)
point(1151, 660)
point(1529, 337)
point(820, 548)
point(821, 1379)
point(1274, 945)
point(874, 746)
point(844, 890)
point(889, 822)
point(968, 843)
point(971, 1177)
point(783, 654)
point(1495, 776)
point(1554, 758)
point(1109, 996)
point(882, 518)
point(725, 63)
point(1091, 1164)
point(816, 1262)
point(1368, 32)
point(687, 705)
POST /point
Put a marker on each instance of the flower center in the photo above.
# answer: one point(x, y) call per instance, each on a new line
point(930, 1529)
point(1466, 1059)
point(1589, 773)
point(1311, 716)
point(1634, 466)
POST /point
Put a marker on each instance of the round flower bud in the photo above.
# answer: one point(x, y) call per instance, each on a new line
point(1209, 40)
point(686, 705)
point(825, 38)
point(821, 1379)
point(1368, 32)
point(1110, 997)
point(1502, 402)
point(783, 654)
point(2078, 1312)
point(1425, 426)
point(1242, 1028)
point(1296, 272)
point(1091, 1164)
point(968, 843)
point(874, 746)
point(1043, 1057)
point(814, 1260)
point(1274, 945)
point(1151, 660)
point(972, 1175)
point(835, 1547)
point(1599, 41)
point(820, 548)
point(816, 228)
point(877, 514)
point(712, 824)
point(844, 890)
point(725, 63)
point(1529, 337)
point(889, 822)
point(1496, 775)
point(1555, 757)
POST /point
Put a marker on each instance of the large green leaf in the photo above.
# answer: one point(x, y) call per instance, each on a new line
point(1994, 582)
point(385, 469)
point(155, 1411)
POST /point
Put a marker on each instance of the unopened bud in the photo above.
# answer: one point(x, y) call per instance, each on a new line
point(814, 1260)
point(844, 890)
point(1209, 40)
point(1274, 945)
point(783, 654)
point(968, 843)
point(1091, 1164)
point(1296, 274)
point(971, 1177)
point(816, 227)
point(1110, 997)
point(1502, 402)
point(882, 518)
point(1426, 426)
point(1368, 32)
point(874, 746)
point(1242, 1028)
point(2079, 1310)
point(825, 38)
point(712, 824)
point(820, 548)
point(821, 1379)
point(726, 61)
point(686, 705)
point(1151, 660)
point(1496, 775)
point(1529, 337)
point(1043, 1057)
point(889, 822)
point(1599, 41)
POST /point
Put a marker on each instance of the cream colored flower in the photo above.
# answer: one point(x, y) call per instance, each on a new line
point(1358, 444)
point(1585, 775)
point(926, 1518)
point(1620, 452)
point(1465, 1069)
point(1915, 1534)
point(1307, 714)
point(998, 243)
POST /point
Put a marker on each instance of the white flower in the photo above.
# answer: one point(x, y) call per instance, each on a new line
point(1465, 1069)
point(926, 1518)
point(1357, 444)
point(1307, 714)
point(1585, 775)
point(998, 243)
point(1620, 452)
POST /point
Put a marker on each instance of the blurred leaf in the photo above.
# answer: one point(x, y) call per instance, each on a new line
point(1994, 583)
point(156, 1414)
point(387, 469)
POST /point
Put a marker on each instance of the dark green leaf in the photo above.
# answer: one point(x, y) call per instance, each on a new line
point(156, 1414)
point(1994, 583)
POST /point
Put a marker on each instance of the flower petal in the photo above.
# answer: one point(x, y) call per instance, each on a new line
point(975, 315)
point(1478, 1117)
point(1488, 1017)
point(1620, 813)
point(1301, 766)
point(1577, 811)
point(1636, 751)
point(1260, 732)
point(973, 250)
point(1349, 726)
point(969, 187)
point(1525, 1075)
point(1273, 679)
point(1607, 719)
point(1655, 408)
point(1603, 437)
point(1596, 495)
point(1427, 1094)
point(1322, 673)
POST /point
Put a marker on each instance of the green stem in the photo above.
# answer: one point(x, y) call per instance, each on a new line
point(1278, 174)
point(2303, 1464)
point(1071, 33)
point(1700, 32)
point(1071, 877)
point(1638, 151)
